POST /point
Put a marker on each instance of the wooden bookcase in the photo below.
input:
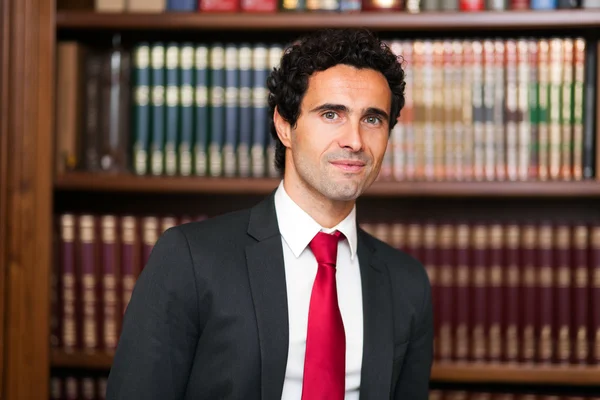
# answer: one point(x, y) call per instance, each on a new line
point(30, 193)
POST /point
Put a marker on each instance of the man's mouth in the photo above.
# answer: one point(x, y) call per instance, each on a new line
point(349, 165)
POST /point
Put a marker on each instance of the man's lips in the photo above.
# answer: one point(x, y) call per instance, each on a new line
point(349, 165)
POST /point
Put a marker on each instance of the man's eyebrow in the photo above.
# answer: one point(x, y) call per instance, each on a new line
point(330, 107)
point(379, 112)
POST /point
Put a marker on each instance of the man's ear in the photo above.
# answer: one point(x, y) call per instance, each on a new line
point(284, 129)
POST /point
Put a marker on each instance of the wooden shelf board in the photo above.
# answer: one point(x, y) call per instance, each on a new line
point(161, 184)
point(397, 21)
point(517, 374)
point(441, 372)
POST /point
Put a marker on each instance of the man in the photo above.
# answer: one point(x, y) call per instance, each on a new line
point(290, 299)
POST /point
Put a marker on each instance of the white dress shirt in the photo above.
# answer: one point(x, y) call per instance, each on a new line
point(297, 230)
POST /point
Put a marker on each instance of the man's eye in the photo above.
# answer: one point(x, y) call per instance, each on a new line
point(373, 120)
point(330, 115)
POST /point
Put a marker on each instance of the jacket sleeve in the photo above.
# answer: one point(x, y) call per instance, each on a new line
point(160, 327)
point(413, 382)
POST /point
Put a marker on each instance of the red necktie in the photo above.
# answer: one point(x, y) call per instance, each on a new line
point(325, 359)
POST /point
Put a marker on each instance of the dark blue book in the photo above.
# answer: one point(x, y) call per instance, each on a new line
point(543, 4)
point(186, 101)
point(216, 65)
point(201, 121)
point(157, 62)
point(182, 5)
point(141, 108)
point(231, 110)
point(172, 111)
point(245, 110)
point(260, 68)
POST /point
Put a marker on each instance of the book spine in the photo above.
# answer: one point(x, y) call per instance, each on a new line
point(87, 388)
point(530, 303)
point(350, 6)
point(446, 265)
point(217, 109)
point(157, 61)
point(472, 5)
point(186, 97)
point(496, 278)
point(129, 258)
point(577, 108)
point(150, 233)
point(456, 107)
point(519, 4)
point(91, 139)
point(322, 5)
point(513, 299)
point(259, 6)
point(70, 333)
point(543, 4)
point(147, 6)
point(498, 118)
point(496, 5)
point(462, 319)
point(232, 78)
point(513, 151)
point(468, 112)
point(260, 59)
point(556, 75)
point(581, 295)
point(543, 109)
point(566, 117)
point(545, 285)
point(377, 5)
point(525, 136)
point(415, 160)
point(533, 104)
point(110, 277)
point(480, 286)
point(219, 5)
point(449, 5)
point(245, 126)
point(141, 108)
point(489, 88)
point(594, 244)
point(111, 6)
point(429, 84)
point(439, 140)
point(430, 5)
point(293, 5)
point(182, 5)
point(569, 3)
point(478, 112)
point(202, 123)
point(172, 107)
point(563, 292)
point(589, 110)
point(447, 114)
point(89, 282)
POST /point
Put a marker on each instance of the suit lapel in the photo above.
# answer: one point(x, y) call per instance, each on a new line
point(378, 350)
point(267, 282)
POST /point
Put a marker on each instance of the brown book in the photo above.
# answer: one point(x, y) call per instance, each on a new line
point(382, 5)
point(563, 275)
point(529, 295)
point(110, 5)
point(131, 250)
point(89, 284)
point(90, 158)
point(523, 117)
point(467, 110)
point(440, 142)
point(581, 294)
point(543, 109)
point(545, 287)
point(512, 298)
point(498, 118)
point(462, 319)
point(578, 104)
point(445, 300)
point(88, 388)
point(72, 388)
point(150, 233)
point(75, 5)
point(69, 101)
point(419, 79)
point(480, 285)
point(149, 6)
point(566, 157)
point(456, 109)
point(519, 4)
point(595, 291)
point(56, 388)
point(479, 137)
point(450, 152)
point(111, 309)
point(70, 326)
point(496, 277)
point(429, 125)
point(533, 111)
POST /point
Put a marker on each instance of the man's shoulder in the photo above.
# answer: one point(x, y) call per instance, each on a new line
point(230, 224)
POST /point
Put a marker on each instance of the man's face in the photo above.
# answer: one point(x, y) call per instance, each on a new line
point(340, 139)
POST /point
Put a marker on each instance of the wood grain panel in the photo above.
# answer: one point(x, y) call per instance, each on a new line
point(28, 122)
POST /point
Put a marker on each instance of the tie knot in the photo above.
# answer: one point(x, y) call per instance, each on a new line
point(324, 247)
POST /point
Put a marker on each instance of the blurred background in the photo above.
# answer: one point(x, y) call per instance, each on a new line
point(122, 118)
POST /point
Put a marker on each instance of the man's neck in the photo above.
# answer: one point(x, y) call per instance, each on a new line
point(326, 212)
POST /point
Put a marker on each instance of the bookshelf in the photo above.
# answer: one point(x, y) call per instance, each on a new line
point(443, 372)
point(121, 183)
point(29, 189)
point(384, 21)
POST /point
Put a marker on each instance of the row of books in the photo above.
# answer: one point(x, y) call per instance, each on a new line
point(502, 293)
point(495, 109)
point(465, 395)
point(491, 109)
point(271, 6)
point(525, 292)
point(70, 387)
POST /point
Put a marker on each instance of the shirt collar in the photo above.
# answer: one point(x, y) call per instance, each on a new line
point(298, 228)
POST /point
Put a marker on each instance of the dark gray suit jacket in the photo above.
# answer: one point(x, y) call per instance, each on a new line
point(208, 316)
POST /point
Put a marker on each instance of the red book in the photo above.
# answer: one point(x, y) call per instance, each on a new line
point(110, 278)
point(480, 285)
point(545, 285)
point(529, 295)
point(219, 5)
point(581, 298)
point(131, 249)
point(259, 5)
point(595, 291)
point(519, 5)
point(512, 298)
point(462, 319)
point(89, 284)
point(562, 259)
point(446, 298)
point(472, 5)
point(496, 284)
point(70, 327)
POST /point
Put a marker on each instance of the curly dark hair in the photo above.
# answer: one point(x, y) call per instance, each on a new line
point(319, 51)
